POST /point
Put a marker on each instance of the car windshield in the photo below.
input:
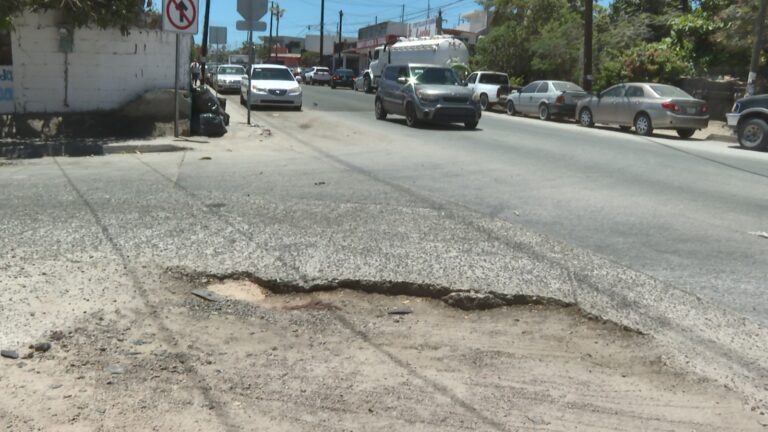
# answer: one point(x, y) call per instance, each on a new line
point(498, 79)
point(344, 72)
point(272, 74)
point(231, 70)
point(322, 70)
point(566, 86)
point(434, 75)
point(668, 91)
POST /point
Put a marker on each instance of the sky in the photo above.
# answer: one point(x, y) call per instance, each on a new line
point(302, 17)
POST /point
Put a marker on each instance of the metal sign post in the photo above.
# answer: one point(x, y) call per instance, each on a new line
point(180, 17)
point(176, 89)
point(251, 11)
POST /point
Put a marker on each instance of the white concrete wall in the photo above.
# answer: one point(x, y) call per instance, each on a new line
point(312, 42)
point(104, 71)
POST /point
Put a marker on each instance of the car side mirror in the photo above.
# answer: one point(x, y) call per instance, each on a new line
point(402, 80)
point(466, 83)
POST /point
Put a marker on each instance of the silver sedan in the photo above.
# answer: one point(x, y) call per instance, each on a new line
point(645, 106)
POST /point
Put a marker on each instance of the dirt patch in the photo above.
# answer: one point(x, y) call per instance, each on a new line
point(340, 360)
point(240, 290)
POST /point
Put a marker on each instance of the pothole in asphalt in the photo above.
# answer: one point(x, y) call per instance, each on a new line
point(251, 288)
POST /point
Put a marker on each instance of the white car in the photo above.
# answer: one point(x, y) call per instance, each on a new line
point(271, 85)
point(227, 77)
point(318, 75)
point(489, 87)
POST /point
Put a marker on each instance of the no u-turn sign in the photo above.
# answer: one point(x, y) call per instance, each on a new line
point(180, 16)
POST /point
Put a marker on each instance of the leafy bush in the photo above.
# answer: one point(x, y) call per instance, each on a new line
point(647, 62)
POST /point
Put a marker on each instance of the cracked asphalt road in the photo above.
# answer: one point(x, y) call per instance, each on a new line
point(587, 217)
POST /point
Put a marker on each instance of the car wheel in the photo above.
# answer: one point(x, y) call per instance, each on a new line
point(484, 101)
point(585, 118)
point(471, 124)
point(625, 128)
point(685, 133)
point(753, 134)
point(381, 114)
point(511, 108)
point(297, 108)
point(367, 85)
point(410, 116)
point(643, 125)
point(544, 112)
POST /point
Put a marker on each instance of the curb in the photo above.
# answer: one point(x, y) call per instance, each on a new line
point(719, 137)
point(141, 148)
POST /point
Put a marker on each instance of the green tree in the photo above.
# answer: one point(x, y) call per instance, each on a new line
point(647, 62)
point(122, 14)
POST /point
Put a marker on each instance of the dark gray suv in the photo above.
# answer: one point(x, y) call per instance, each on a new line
point(426, 93)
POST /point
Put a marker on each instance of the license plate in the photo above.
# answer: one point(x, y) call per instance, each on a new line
point(692, 110)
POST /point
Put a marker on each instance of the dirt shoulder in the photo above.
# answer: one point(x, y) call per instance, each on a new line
point(343, 360)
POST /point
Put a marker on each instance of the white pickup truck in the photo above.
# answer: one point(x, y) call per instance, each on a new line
point(435, 50)
point(490, 88)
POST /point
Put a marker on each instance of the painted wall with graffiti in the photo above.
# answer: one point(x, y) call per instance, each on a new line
point(6, 89)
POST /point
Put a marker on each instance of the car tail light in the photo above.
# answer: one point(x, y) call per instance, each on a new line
point(705, 109)
point(670, 106)
point(560, 99)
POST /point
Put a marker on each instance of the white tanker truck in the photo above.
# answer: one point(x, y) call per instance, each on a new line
point(435, 50)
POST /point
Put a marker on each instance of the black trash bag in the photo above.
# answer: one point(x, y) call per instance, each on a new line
point(205, 102)
point(208, 116)
point(207, 124)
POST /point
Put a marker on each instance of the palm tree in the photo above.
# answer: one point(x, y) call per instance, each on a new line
point(277, 12)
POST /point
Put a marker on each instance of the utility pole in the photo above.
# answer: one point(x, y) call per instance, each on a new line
point(341, 16)
point(428, 9)
point(759, 41)
point(439, 22)
point(322, 28)
point(205, 40)
point(271, 15)
point(587, 79)
point(278, 14)
point(402, 13)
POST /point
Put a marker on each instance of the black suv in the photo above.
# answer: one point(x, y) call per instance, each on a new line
point(750, 120)
point(426, 93)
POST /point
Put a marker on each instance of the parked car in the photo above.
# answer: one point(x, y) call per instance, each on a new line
point(546, 99)
point(318, 75)
point(297, 74)
point(489, 87)
point(425, 93)
point(210, 73)
point(227, 77)
point(360, 81)
point(645, 106)
point(343, 78)
point(749, 118)
point(272, 85)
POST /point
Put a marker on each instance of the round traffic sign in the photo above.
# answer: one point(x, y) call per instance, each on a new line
point(181, 13)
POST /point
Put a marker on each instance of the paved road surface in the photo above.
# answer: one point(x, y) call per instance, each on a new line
point(679, 210)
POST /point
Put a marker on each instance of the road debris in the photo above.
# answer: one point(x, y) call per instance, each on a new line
point(400, 311)
point(9, 354)
point(762, 234)
point(207, 295)
point(320, 183)
point(115, 369)
point(41, 347)
point(205, 158)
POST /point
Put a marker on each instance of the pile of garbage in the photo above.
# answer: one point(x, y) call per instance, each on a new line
point(208, 113)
